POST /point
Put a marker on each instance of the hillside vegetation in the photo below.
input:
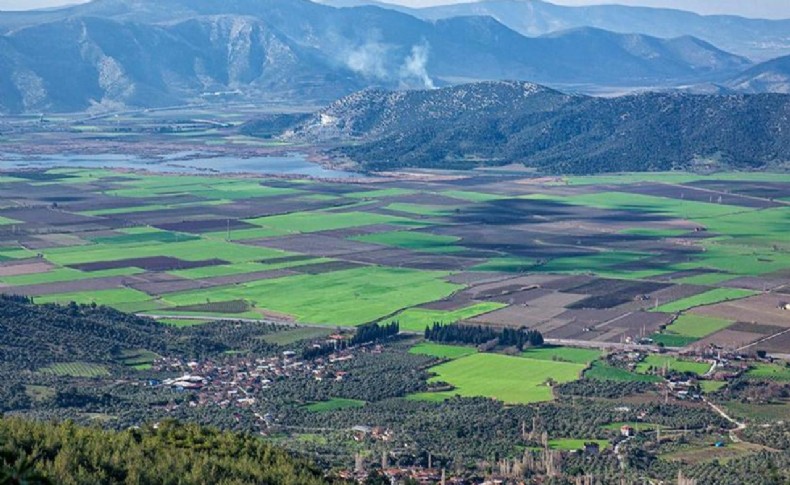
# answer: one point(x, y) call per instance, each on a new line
point(496, 123)
point(170, 453)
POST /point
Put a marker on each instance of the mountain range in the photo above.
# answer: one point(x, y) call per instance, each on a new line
point(496, 123)
point(757, 39)
point(110, 54)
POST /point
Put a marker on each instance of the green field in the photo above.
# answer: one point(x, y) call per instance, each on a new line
point(75, 369)
point(699, 326)
point(688, 328)
point(288, 337)
point(305, 222)
point(334, 404)
point(442, 351)
point(672, 340)
point(658, 362)
point(513, 380)
point(573, 444)
point(601, 371)
point(759, 413)
point(418, 241)
point(774, 372)
point(125, 299)
point(648, 232)
point(65, 274)
point(711, 386)
point(416, 319)
point(349, 297)
point(708, 298)
point(563, 354)
point(420, 210)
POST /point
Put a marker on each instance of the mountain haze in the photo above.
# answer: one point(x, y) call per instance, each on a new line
point(757, 39)
point(110, 54)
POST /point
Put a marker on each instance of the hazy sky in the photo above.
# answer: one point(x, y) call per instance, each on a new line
point(748, 8)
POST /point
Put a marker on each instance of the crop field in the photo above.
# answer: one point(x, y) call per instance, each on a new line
point(563, 354)
point(774, 372)
point(442, 351)
point(416, 319)
point(603, 372)
point(334, 404)
point(657, 362)
point(707, 298)
point(514, 380)
point(76, 369)
point(573, 444)
point(608, 259)
point(689, 328)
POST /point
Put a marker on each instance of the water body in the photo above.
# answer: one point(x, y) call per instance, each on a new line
point(185, 162)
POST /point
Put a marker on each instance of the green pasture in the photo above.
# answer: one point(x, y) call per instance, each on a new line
point(711, 386)
point(334, 404)
point(513, 380)
point(602, 371)
point(75, 369)
point(563, 354)
point(675, 178)
point(59, 275)
point(124, 299)
point(418, 241)
point(345, 298)
point(442, 351)
point(306, 222)
point(774, 372)
point(292, 336)
point(416, 319)
point(471, 196)
point(380, 193)
point(708, 298)
point(652, 232)
point(195, 250)
point(420, 209)
point(573, 444)
point(697, 326)
point(656, 362)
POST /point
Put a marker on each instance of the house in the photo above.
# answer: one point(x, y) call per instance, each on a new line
point(627, 430)
point(592, 448)
point(360, 432)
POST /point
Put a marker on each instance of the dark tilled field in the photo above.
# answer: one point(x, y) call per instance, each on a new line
point(317, 245)
point(706, 194)
point(765, 190)
point(208, 225)
point(155, 263)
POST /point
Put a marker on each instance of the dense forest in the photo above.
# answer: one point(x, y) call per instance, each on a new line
point(169, 453)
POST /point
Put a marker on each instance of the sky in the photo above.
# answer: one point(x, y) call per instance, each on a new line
point(746, 8)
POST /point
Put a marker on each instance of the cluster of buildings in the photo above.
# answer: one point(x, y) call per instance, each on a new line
point(236, 382)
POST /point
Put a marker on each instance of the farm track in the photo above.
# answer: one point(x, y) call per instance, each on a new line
point(722, 193)
point(763, 340)
point(740, 426)
point(284, 323)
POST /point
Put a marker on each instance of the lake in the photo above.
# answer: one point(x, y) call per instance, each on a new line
point(183, 162)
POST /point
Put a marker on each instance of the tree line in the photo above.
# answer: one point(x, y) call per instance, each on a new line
point(479, 335)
